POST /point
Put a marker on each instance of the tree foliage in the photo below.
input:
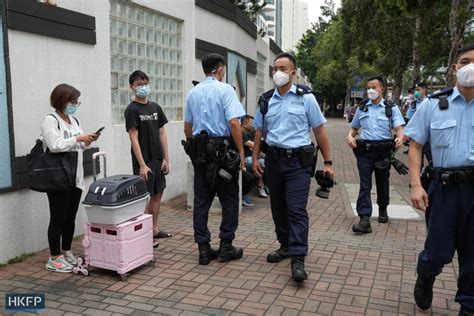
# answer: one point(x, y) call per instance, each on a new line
point(397, 39)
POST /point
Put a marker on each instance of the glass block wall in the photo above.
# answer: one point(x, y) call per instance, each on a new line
point(144, 39)
point(261, 73)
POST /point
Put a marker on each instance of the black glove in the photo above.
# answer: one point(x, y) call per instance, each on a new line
point(399, 166)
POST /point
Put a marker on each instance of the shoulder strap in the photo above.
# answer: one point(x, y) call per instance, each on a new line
point(363, 105)
point(263, 101)
point(443, 98)
point(388, 108)
point(55, 119)
point(75, 119)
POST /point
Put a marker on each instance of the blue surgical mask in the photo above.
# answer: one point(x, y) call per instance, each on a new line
point(70, 109)
point(143, 91)
point(417, 95)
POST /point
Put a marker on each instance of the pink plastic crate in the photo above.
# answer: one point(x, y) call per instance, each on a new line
point(121, 247)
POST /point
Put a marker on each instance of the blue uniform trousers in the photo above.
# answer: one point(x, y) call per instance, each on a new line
point(366, 165)
point(289, 184)
point(450, 225)
point(228, 194)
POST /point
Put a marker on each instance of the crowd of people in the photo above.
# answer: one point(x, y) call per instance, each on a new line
point(273, 149)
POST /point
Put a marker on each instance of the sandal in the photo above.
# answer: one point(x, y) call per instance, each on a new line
point(162, 234)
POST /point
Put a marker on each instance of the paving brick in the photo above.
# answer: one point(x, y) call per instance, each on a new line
point(348, 275)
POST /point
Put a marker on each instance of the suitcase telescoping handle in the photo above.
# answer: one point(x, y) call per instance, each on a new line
point(94, 170)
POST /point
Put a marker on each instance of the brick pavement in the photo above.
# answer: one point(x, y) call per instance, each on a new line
point(348, 275)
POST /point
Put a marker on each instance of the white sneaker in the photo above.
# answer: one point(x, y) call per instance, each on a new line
point(70, 258)
point(58, 265)
point(261, 192)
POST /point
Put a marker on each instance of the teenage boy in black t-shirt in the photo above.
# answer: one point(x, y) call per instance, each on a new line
point(145, 121)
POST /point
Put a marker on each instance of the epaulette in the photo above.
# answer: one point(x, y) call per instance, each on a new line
point(442, 95)
point(195, 82)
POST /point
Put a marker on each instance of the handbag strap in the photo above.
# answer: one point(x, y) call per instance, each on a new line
point(75, 119)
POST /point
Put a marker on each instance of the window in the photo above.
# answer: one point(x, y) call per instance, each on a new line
point(145, 40)
point(261, 61)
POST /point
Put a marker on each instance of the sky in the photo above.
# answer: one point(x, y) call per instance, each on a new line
point(314, 11)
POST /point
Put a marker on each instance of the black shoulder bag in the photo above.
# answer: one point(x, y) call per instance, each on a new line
point(51, 172)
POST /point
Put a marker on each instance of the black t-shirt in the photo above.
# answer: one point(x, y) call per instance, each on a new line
point(246, 137)
point(147, 119)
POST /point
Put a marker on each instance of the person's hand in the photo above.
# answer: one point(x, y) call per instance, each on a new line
point(242, 161)
point(398, 142)
point(330, 170)
point(351, 141)
point(419, 198)
point(257, 168)
point(165, 167)
point(87, 138)
point(144, 170)
point(406, 138)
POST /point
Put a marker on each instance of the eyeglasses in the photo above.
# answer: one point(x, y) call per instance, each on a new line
point(141, 85)
point(78, 104)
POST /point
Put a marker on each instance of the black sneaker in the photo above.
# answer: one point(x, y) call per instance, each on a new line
point(363, 227)
point(383, 216)
point(278, 255)
point(298, 274)
point(423, 292)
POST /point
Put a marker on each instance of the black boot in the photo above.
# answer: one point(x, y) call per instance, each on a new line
point(383, 216)
point(227, 252)
point(466, 312)
point(363, 227)
point(298, 274)
point(278, 255)
point(206, 253)
point(423, 292)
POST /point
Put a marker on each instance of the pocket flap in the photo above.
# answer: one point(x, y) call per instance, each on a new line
point(296, 110)
point(443, 124)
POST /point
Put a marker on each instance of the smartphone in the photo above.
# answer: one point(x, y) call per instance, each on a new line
point(99, 130)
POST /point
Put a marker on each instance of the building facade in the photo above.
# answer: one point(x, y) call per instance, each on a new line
point(294, 21)
point(94, 46)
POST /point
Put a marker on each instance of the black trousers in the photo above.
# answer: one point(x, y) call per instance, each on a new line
point(228, 194)
point(289, 184)
point(63, 209)
point(366, 165)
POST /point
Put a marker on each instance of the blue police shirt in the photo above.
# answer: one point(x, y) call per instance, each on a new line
point(375, 123)
point(289, 119)
point(450, 131)
point(210, 106)
point(411, 110)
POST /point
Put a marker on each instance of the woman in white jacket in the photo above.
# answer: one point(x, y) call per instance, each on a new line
point(62, 133)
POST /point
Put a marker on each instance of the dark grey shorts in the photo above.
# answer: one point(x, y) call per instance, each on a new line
point(156, 182)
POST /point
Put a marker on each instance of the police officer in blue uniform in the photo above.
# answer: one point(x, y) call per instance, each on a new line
point(292, 113)
point(377, 117)
point(446, 119)
point(421, 89)
point(212, 128)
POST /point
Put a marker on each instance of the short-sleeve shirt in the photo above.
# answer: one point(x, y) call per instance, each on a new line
point(375, 123)
point(290, 119)
point(210, 106)
point(450, 131)
point(412, 109)
point(147, 119)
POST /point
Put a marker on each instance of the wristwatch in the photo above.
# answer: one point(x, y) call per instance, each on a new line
point(328, 162)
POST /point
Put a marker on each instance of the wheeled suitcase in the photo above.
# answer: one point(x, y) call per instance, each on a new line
point(118, 237)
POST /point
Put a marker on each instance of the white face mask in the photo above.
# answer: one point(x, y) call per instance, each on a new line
point(281, 78)
point(465, 76)
point(372, 94)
